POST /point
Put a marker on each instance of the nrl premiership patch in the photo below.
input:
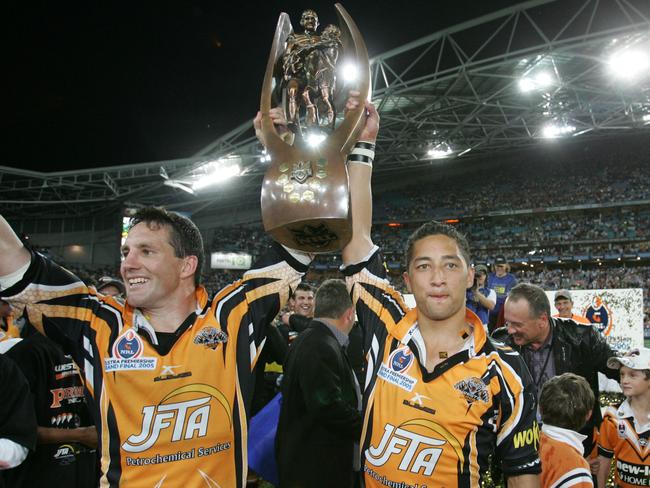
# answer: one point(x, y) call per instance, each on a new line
point(394, 371)
point(127, 354)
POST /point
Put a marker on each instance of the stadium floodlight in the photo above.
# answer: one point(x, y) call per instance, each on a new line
point(440, 151)
point(629, 64)
point(314, 139)
point(349, 72)
point(217, 172)
point(265, 157)
point(538, 81)
point(554, 130)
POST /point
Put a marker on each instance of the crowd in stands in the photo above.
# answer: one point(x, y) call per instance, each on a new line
point(520, 186)
point(615, 229)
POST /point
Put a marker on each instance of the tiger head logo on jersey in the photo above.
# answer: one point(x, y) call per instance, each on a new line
point(211, 337)
point(473, 389)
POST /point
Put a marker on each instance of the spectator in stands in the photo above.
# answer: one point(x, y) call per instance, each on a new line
point(550, 348)
point(501, 282)
point(625, 432)
point(107, 285)
point(564, 304)
point(320, 417)
point(301, 311)
point(481, 299)
point(67, 438)
point(284, 330)
point(17, 420)
point(565, 404)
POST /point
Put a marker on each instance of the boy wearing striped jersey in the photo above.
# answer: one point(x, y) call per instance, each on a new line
point(565, 404)
point(168, 371)
point(625, 431)
point(440, 398)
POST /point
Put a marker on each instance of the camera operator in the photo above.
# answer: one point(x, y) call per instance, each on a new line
point(480, 298)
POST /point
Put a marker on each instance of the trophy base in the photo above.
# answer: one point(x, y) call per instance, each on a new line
point(313, 235)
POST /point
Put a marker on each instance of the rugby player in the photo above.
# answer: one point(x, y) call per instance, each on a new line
point(168, 370)
point(440, 397)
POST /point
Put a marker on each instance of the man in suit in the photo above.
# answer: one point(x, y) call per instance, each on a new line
point(320, 419)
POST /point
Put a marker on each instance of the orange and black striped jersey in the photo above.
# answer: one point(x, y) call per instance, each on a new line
point(629, 443)
point(437, 428)
point(171, 419)
point(562, 462)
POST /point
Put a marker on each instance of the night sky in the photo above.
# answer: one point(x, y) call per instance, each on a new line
point(89, 84)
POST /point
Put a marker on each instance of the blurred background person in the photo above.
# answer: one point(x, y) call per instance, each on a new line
point(481, 299)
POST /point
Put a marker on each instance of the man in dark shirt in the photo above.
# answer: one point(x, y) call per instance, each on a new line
point(67, 437)
point(17, 420)
point(551, 347)
point(320, 419)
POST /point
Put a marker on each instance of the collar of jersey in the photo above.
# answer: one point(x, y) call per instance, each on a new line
point(571, 437)
point(625, 412)
point(407, 328)
point(140, 322)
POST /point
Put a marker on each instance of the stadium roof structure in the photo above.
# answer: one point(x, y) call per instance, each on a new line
point(508, 80)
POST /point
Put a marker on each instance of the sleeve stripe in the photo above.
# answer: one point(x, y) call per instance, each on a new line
point(88, 374)
point(574, 477)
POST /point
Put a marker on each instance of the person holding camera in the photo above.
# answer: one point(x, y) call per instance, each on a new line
point(480, 298)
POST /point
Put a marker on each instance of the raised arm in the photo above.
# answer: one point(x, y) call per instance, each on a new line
point(13, 255)
point(360, 174)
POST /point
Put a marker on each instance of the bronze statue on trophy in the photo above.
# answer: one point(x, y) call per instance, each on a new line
point(309, 72)
point(305, 195)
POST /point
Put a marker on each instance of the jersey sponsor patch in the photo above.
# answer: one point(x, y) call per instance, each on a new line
point(417, 445)
point(634, 474)
point(127, 354)
point(211, 337)
point(176, 421)
point(399, 362)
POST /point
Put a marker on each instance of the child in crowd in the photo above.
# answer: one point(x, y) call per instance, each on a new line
point(625, 432)
point(565, 404)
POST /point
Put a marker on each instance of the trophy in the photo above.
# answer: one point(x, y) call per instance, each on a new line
point(305, 196)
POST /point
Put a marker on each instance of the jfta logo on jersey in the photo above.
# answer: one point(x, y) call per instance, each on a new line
point(174, 421)
point(127, 354)
point(413, 446)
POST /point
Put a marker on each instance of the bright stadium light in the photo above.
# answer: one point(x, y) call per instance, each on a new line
point(543, 79)
point(554, 130)
point(265, 157)
point(526, 85)
point(538, 81)
point(217, 172)
point(440, 151)
point(629, 63)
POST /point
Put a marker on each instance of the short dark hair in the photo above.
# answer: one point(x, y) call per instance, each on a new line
point(184, 235)
point(535, 296)
point(332, 299)
point(565, 401)
point(302, 287)
point(435, 228)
